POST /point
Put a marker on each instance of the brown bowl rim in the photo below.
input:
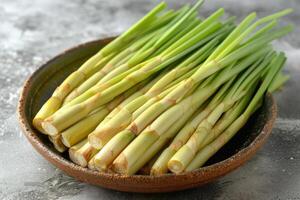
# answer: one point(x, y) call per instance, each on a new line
point(213, 171)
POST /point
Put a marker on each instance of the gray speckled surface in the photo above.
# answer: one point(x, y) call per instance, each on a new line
point(32, 31)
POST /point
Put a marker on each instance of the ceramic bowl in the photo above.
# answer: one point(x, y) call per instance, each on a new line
point(40, 85)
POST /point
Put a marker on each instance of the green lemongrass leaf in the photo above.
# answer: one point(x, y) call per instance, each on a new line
point(278, 82)
point(194, 40)
point(230, 20)
point(213, 66)
point(244, 34)
point(232, 36)
point(229, 72)
point(140, 25)
point(252, 74)
point(149, 50)
point(227, 126)
point(150, 47)
point(177, 37)
point(223, 92)
point(204, 154)
point(166, 36)
point(275, 64)
point(262, 31)
point(162, 20)
point(203, 25)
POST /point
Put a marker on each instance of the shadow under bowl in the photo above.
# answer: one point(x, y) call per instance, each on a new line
point(39, 87)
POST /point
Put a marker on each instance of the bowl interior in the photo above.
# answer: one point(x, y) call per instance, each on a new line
point(42, 83)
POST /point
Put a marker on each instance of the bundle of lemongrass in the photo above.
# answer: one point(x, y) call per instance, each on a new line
point(168, 93)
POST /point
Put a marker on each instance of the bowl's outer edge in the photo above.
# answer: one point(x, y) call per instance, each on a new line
point(140, 183)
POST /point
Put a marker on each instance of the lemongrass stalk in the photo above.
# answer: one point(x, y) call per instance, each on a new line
point(149, 136)
point(150, 103)
point(251, 75)
point(52, 104)
point(101, 135)
point(71, 82)
point(111, 150)
point(203, 25)
point(157, 98)
point(159, 144)
point(177, 52)
point(126, 159)
point(66, 117)
point(150, 50)
point(160, 107)
point(138, 43)
point(278, 82)
point(146, 50)
point(110, 70)
point(167, 33)
point(58, 145)
point(164, 19)
point(85, 126)
point(160, 166)
point(187, 152)
point(227, 73)
point(152, 133)
point(195, 59)
point(140, 26)
point(187, 47)
point(104, 74)
point(203, 155)
point(132, 97)
point(228, 118)
point(201, 35)
point(169, 88)
point(80, 130)
point(82, 155)
point(176, 37)
point(222, 32)
point(100, 87)
point(232, 36)
point(172, 30)
point(211, 65)
point(91, 164)
point(91, 81)
point(114, 72)
point(131, 94)
point(133, 168)
point(199, 75)
point(214, 66)
point(250, 29)
point(76, 147)
point(262, 31)
point(212, 28)
point(85, 70)
point(145, 169)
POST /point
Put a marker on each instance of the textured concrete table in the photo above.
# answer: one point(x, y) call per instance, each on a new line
point(32, 31)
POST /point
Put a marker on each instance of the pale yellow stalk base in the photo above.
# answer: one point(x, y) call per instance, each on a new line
point(58, 145)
